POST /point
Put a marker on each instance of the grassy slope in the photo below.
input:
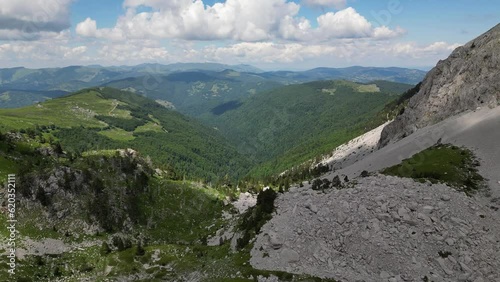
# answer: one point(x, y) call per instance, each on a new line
point(62, 112)
point(289, 125)
point(442, 163)
point(105, 118)
point(176, 217)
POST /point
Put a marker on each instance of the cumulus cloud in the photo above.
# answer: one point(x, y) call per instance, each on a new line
point(346, 23)
point(87, 28)
point(346, 52)
point(268, 52)
point(338, 4)
point(384, 32)
point(412, 50)
point(240, 20)
point(29, 20)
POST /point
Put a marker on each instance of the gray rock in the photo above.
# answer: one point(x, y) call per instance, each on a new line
point(445, 198)
point(341, 217)
point(450, 241)
point(384, 275)
point(312, 207)
point(468, 79)
point(275, 241)
point(289, 255)
point(443, 266)
point(374, 241)
point(403, 213)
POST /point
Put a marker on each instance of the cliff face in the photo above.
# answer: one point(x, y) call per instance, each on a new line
point(467, 79)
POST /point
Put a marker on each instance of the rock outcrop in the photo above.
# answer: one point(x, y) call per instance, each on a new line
point(468, 79)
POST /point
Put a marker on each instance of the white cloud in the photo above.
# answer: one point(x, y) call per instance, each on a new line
point(383, 32)
point(414, 51)
point(87, 28)
point(72, 52)
point(338, 4)
point(29, 20)
point(261, 32)
point(346, 23)
point(240, 20)
point(346, 52)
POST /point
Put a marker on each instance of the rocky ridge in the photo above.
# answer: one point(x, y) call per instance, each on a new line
point(468, 79)
point(383, 229)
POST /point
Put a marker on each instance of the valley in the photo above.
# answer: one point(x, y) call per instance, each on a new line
point(142, 169)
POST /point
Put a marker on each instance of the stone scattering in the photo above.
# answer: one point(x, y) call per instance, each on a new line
point(383, 229)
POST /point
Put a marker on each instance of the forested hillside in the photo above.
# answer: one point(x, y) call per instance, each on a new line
point(197, 93)
point(288, 125)
point(106, 118)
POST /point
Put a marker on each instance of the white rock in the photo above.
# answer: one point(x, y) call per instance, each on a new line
point(289, 255)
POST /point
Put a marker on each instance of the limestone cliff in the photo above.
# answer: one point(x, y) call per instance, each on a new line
point(469, 78)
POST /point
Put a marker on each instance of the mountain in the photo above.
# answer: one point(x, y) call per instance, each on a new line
point(287, 125)
point(356, 74)
point(181, 67)
point(468, 79)
point(197, 93)
point(26, 86)
point(416, 199)
point(22, 86)
point(106, 118)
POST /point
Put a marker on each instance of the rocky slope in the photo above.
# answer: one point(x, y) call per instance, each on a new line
point(468, 79)
point(383, 229)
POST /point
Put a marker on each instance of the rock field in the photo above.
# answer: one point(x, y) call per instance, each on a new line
point(383, 229)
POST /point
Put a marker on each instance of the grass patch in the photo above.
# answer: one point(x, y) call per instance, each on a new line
point(181, 212)
point(6, 167)
point(150, 126)
point(368, 88)
point(118, 134)
point(68, 111)
point(442, 163)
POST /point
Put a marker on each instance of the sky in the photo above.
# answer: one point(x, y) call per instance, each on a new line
point(270, 34)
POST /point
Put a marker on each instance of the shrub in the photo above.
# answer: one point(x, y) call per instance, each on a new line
point(336, 182)
point(140, 250)
point(104, 249)
point(316, 184)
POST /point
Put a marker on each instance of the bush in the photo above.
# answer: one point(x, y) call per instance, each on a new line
point(255, 217)
point(336, 182)
point(316, 184)
point(104, 249)
point(140, 250)
point(265, 200)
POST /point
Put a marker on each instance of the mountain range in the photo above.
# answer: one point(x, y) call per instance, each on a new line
point(208, 172)
point(22, 86)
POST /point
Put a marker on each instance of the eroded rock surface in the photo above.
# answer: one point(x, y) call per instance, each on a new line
point(383, 229)
point(468, 79)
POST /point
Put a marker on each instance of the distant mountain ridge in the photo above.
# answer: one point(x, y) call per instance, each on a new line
point(355, 73)
point(27, 85)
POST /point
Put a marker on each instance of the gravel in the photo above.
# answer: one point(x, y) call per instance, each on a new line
point(383, 229)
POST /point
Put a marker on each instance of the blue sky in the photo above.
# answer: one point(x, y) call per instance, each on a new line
point(271, 34)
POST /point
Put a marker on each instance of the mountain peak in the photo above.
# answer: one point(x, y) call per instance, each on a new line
point(469, 78)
